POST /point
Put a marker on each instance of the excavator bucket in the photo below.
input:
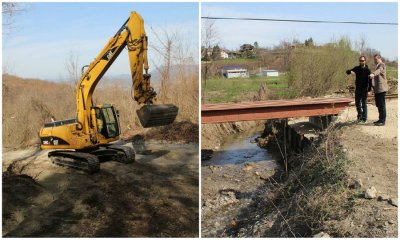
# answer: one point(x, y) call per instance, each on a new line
point(157, 115)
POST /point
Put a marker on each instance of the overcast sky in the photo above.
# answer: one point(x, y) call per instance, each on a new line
point(46, 33)
point(232, 34)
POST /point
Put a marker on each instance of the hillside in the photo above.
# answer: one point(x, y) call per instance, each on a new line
point(29, 103)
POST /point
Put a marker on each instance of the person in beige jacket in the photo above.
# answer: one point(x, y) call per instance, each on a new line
point(379, 83)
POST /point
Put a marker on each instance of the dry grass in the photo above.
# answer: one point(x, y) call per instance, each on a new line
point(315, 190)
point(184, 93)
point(29, 103)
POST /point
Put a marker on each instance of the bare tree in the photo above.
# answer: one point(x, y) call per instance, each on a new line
point(164, 45)
point(175, 54)
point(9, 11)
point(209, 33)
point(72, 66)
point(286, 47)
point(179, 80)
point(209, 38)
point(362, 44)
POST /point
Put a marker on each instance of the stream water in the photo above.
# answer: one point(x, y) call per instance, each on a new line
point(240, 149)
point(233, 182)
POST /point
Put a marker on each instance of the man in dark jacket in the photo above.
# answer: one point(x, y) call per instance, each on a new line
point(363, 86)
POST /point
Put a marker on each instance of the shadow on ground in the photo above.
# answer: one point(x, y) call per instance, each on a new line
point(156, 196)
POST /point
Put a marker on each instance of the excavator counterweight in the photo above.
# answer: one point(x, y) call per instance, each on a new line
point(157, 115)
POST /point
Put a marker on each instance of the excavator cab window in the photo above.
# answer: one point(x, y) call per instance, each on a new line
point(107, 122)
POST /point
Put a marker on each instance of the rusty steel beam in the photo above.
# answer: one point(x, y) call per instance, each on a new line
point(276, 109)
point(371, 98)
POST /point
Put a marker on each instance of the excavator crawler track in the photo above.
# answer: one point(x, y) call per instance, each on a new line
point(79, 160)
point(89, 161)
point(127, 154)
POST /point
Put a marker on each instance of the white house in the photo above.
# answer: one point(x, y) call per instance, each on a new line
point(224, 54)
point(270, 73)
point(234, 72)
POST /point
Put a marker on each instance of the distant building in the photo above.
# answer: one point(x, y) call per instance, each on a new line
point(270, 73)
point(234, 72)
point(224, 54)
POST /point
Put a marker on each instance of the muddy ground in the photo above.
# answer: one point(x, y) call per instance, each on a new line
point(374, 155)
point(156, 196)
point(236, 199)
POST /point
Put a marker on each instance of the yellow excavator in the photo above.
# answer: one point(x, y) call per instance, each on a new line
point(83, 142)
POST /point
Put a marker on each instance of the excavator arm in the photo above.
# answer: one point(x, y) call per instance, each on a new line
point(133, 36)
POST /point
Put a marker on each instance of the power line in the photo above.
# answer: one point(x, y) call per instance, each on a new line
point(299, 21)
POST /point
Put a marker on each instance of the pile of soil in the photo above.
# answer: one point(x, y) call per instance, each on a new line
point(183, 132)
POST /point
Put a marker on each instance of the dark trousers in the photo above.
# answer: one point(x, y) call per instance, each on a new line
point(361, 104)
point(381, 105)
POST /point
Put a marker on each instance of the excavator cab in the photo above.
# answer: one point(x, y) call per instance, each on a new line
point(107, 121)
point(149, 115)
